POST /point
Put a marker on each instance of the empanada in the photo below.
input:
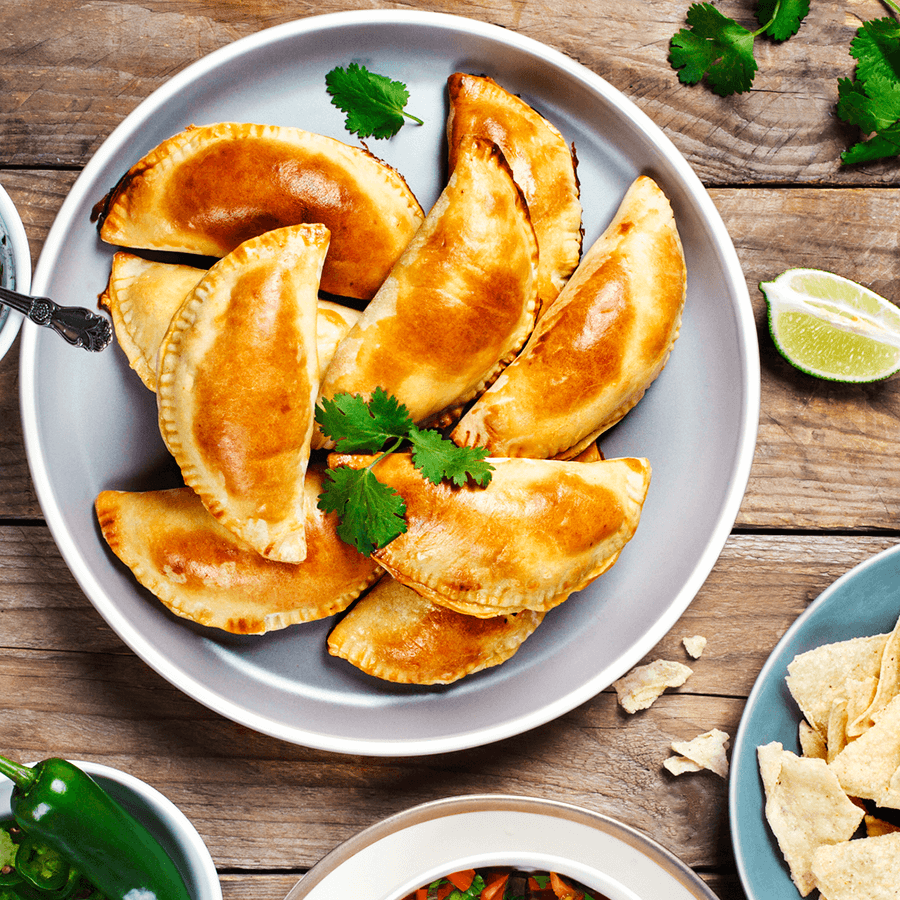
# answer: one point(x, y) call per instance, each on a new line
point(459, 303)
point(210, 188)
point(397, 635)
point(203, 572)
point(539, 531)
point(605, 339)
point(543, 165)
point(143, 295)
point(237, 383)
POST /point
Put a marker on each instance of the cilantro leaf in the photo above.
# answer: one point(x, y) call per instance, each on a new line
point(438, 458)
point(715, 46)
point(884, 144)
point(374, 104)
point(876, 47)
point(781, 19)
point(472, 893)
point(371, 514)
point(871, 101)
point(360, 426)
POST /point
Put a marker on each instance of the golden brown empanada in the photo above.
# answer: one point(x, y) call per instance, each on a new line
point(397, 635)
point(237, 383)
point(542, 164)
point(458, 304)
point(605, 339)
point(203, 572)
point(210, 188)
point(540, 530)
point(143, 295)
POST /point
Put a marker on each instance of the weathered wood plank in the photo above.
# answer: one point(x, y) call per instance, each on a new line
point(93, 63)
point(758, 587)
point(67, 683)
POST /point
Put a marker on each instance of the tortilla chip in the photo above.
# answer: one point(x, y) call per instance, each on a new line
point(866, 766)
point(866, 869)
point(678, 765)
point(694, 645)
point(644, 684)
point(812, 743)
point(860, 694)
point(888, 685)
point(876, 827)
point(706, 751)
point(818, 677)
point(805, 807)
point(836, 732)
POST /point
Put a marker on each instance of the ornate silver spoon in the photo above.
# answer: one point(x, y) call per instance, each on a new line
point(79, 326)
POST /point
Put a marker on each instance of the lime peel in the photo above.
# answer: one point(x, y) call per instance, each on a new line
point(831, 327)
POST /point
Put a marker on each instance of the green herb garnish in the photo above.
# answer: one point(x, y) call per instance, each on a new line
point(375, 105)
point(371, 513)
point(872, 100)
point(716, 46)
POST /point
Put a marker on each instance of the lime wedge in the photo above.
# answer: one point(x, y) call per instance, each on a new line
point(831, 327)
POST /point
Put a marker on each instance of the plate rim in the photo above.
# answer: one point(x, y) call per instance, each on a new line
point(741, 750)
point(718, 238)
point(445, 807)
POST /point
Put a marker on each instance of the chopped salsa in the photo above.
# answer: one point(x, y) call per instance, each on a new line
point(504, 883)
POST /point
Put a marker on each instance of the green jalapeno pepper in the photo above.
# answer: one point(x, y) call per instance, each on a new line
point(63, 807)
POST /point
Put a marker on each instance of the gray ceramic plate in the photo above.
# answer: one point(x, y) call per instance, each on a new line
point(89, 423)
point(394, 857)
point(864, 601)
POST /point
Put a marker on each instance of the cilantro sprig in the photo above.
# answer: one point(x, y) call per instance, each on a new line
point(374, 104)
point(719, 48)
point(871, 100)
point(371, 513)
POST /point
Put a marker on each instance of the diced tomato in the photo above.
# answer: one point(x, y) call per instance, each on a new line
point(444, 890)
point(462, 879)
point(562, 890)
point(422, 893)
point(493, 890)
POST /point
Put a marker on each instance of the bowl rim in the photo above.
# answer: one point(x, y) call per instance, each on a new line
point(176, 822)
point(11, 223)
point(664, 863)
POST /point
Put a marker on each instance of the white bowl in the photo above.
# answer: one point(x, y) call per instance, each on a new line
point(165, 821)
point(16, 265)
point(392, 858)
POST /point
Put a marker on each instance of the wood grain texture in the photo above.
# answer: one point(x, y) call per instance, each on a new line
point(64, 95)
point(823, 493)
point(81, 691)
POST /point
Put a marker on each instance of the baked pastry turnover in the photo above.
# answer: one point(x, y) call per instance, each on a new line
point(540, 530)
point(542, 164)
point(459, 303)
point(596, 351)
point(397, 635)
point(238, 374)
point(210, 188)
point(203, 572)
point(143, 295)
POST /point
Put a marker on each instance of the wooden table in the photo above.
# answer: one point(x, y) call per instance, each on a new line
point(824, 492)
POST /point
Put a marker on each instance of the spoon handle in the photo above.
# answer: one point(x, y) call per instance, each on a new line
point(79, 326)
